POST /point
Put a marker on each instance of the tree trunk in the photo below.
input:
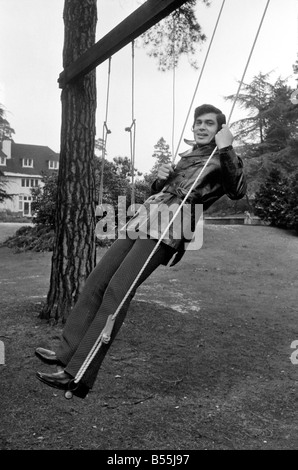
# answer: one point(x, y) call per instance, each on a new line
point(74, 251)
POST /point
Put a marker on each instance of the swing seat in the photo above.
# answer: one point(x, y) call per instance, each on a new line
point(106, 333)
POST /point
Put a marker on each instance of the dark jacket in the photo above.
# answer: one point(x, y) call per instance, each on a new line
point(223, 175)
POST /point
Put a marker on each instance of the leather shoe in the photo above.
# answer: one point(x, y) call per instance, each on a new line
point(57, 380)
point(47, 356)
point(63, 381)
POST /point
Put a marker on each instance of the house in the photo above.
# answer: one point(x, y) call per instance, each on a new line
point(24, 166)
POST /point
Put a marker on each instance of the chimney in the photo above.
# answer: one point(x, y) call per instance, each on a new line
point(6, 148)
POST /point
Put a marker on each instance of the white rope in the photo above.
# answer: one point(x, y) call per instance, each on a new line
point(133, 138)
point(112, 318)
point(132, 128)
point(174, 84)
point(105, 132)
point(198, 82)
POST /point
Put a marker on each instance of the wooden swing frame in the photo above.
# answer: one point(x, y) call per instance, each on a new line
point(142, 19)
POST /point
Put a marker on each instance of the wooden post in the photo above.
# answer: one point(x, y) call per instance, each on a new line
point(146, 16)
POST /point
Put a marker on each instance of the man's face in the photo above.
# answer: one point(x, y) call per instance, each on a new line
point(205, 128)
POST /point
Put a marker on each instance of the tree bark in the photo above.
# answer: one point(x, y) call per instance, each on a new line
point(74, 253)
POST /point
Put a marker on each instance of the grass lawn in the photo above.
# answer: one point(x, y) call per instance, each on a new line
point(202, 361)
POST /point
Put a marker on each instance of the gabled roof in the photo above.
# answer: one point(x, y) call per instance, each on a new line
point(40, 154)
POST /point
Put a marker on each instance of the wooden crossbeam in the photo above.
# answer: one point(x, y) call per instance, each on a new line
point(142, 19)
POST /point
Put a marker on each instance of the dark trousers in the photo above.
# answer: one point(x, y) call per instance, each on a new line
point(103, 292)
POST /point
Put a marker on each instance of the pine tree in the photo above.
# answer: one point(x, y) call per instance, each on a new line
point(272, 117)
point(74, 249)
point(6, 130)
point(254, 98)
point(161, 154)
point(3, 193)
point(174, 36)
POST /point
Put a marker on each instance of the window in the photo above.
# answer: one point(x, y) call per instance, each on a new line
point(53, 165)
point(29, 183)
point(2, 161)
point(27, 163)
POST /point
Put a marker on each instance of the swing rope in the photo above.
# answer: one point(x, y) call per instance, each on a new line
point(105, 132)
point(132, 128)
point(104, 337)
point(174, 155)
point(174, 83)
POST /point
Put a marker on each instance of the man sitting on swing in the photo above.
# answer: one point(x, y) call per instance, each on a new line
point(111, 286)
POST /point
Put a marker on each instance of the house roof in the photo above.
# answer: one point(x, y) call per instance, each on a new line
point(40, 154)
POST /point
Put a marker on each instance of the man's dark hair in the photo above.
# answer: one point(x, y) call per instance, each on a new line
point(209, 108)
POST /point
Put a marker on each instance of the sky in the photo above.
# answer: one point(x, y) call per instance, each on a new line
point(31, 38)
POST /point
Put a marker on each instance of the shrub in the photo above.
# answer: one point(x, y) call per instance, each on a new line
point(277, 200)
point(292, 212)
point(44, 203)
point(38, 238)
point(271, 200)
